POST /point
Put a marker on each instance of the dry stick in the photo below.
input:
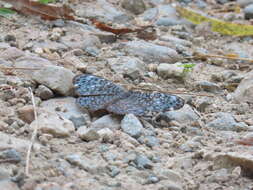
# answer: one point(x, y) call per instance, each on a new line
point(34, 134)
point(19, 68)
point(220, 56)
point(172, 92)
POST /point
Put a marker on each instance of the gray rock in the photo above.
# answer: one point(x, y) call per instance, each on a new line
point(10, 154)
point(226, 122)
point(152, 179)
point(106, 134)
point(150, 141)
point(11, 53)
point(244, 92)
point(107, 121)
point(8, 184)
point(244, 3)
point(3, 78)
point(166, 70)
point(131, 67)
point(112, 171)
point(134, 6)
point(65, 107)
point(56, 78)
point(52, 123)
point(150, 52)
point(87, 134)
point(10, 142)
point(44, 92)
point(79, 120)
point(142, 162)
point(131, 125)
point(248, 11)
point(183, 116)
point(103, 10)
point(208, 86)
point(94, 166)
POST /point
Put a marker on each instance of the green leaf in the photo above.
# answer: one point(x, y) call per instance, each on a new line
point(5, 12)
point(188, 65)
point(46, 1)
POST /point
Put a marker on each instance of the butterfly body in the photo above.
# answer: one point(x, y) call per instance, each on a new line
point(96, 93)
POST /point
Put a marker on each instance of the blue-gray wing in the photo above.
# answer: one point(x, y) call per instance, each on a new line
point(95, 92)
point(145, 103)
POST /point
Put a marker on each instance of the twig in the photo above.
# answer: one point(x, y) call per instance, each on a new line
point(172, 92)
point(18, 68)
point(220, 56)
point(34, 134)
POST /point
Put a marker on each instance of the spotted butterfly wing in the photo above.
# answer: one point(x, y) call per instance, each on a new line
point(97, 93)
point(146, 104)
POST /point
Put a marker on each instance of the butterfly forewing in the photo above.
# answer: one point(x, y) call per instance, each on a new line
point(88, 85)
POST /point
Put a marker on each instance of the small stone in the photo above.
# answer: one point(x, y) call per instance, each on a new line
point(26, 113)
point(79, 120)
point(107, 121)
point(134, 6)
point(244, 91)
point(248, 11)
point(152, 179)
point(44, 92)
point(127, 66)
point(150, 52)
point(106, 134)
point(11, 53)
point(10, 38)
point(142, 162)
point(150, 141)
point(52, 123)
point(87, 134)
point(112, 171)
point(8, 185)
point(208, 86)
point(56, 78)
point(10, 154)
point(48, 186)
point(131, 125)
point(166, 70)
point(184, 115)
point(226, 122)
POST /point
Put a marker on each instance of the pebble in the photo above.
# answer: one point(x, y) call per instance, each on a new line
point(79, 120)
point(150, 52)
point(112, 171)
point(56, 78)
point(26, 113)
point(107, 121)
point(244, 3)
point(127, 66)
point(226, 122)
point(207, 86)
point(11, 53)
point(150, 141)
point(248, 11)
point(166, 70)
point(87, 134)
point(134, 6)
point(183, 116)
point(243, 92)
point(8, 184)
point(44, 92)
point(52, 123)
point(106, 134)
point(132, 126)
point(10, 154)
point(142, 162)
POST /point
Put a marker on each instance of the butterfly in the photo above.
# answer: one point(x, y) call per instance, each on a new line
point(96, 93)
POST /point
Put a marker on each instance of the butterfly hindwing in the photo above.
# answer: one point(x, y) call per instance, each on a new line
point(146, 104)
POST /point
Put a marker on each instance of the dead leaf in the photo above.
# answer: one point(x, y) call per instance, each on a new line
point(107, 28)
point(46, 12)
